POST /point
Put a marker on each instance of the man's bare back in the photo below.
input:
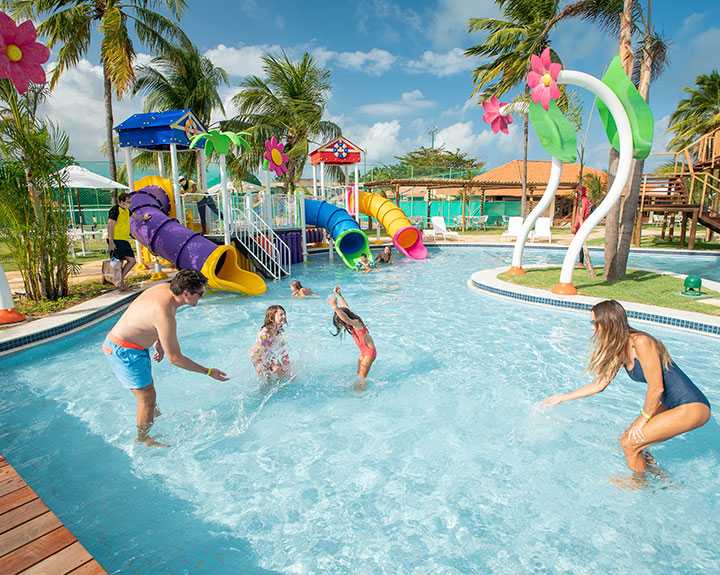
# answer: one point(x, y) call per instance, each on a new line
point(139, 322)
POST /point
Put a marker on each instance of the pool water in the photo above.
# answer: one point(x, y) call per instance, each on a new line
point(444, 465)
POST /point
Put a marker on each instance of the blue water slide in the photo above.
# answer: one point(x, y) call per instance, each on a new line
point(350, 241)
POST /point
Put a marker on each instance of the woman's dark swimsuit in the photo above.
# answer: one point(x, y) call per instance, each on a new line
point(678, 387)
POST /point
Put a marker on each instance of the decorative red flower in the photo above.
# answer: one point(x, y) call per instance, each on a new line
point(542, 79)
point(21, 57)
point(493, 116)
point(276, 156)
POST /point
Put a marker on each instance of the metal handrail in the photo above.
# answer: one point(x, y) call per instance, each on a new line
point(266, 247)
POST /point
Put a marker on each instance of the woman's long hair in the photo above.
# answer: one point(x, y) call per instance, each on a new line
point(269, 322)
point(340, 325)
point(611, 338)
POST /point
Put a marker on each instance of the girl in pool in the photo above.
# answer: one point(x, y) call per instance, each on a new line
point(297, 290)
point(269, 355)
point(673, 405)
point(385, 257)
point(344, 319)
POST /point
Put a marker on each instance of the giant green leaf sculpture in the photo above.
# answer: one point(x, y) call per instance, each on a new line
point(638, 111)
point(555, 132)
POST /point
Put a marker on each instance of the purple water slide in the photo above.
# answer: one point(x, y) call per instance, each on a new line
point(165, 236)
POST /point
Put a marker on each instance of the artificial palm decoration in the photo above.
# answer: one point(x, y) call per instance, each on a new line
point(697, 114)
point(219, 142)
point(69, 25)
point(288, 103)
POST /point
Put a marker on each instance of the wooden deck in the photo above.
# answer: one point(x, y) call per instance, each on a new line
point(33, 541)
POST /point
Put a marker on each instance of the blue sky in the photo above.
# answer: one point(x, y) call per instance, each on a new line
point(398, 69)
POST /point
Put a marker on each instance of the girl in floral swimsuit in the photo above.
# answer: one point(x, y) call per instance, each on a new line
point(344, 319)
point(269, 355)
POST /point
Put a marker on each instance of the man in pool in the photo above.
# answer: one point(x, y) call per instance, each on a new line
point(148, 321)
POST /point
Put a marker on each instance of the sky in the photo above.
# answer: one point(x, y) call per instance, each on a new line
point(398, 70)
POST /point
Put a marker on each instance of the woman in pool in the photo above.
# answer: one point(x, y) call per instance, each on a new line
point(673, 405)
point(269, 355)
point(364, 264)
point(344, 319)
point(297, 290)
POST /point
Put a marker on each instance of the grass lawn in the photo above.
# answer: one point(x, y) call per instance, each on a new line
point(638, 286)
point(79, 293)
point(654, 241)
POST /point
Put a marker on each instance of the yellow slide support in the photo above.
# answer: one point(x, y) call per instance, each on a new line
point(224, 266)
point(406, 237)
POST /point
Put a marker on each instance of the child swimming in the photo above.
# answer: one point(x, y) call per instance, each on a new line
point(364, 264)
point(269, 355)
point(344, 318)
point(297, 290)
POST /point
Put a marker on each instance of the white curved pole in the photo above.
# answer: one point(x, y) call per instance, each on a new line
point(6, 299)
point(622, 122)
point(548, 194)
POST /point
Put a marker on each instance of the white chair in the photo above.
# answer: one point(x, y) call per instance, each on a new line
point(543, 229)
point(514, 227)
point(440, 229)
point(482, 222)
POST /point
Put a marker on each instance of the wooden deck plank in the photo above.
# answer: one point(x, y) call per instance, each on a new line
point(6, 472)
point(34, 552)
point(28, 532)
point(22, 514)
point(16, 499)
point(10, 485)
point(90, 568)
point(63, 561)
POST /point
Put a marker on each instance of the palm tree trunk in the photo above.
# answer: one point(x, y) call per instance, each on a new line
point(630, 206)
point(109, 128)
point(523, 174)
point(612, 219)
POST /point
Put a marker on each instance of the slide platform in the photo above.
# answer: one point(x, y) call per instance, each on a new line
point(350, 241)
point(406, 237)
point(151, 225)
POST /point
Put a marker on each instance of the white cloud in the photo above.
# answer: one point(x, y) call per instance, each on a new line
point(441, 63)
point(449, 21)
point(77, 107)
point(375, 62)
point(241, 60)
point(408, 103)
point(381, 141)
point(461, 136)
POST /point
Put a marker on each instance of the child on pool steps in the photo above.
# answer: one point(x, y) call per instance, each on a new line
point(345, 319)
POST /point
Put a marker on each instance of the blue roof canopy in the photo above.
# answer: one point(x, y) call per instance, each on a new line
point(157, 130)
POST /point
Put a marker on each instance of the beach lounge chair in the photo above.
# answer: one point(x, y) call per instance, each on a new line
point(513, 230)
point(440, 229)
point(542, 230)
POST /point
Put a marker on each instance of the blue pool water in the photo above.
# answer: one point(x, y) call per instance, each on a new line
point(444, 465)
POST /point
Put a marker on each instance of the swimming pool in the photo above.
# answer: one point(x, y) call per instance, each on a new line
point(443, 466)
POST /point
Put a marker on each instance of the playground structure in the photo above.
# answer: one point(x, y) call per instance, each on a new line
point(691, 193)
point(253, 235)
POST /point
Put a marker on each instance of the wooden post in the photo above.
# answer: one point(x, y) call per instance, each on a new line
point(683, 227)
point(671, 232)
point(693, 229)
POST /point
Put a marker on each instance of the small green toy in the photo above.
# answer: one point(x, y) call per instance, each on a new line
point(692, 285)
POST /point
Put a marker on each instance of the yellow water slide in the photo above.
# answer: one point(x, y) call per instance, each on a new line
point(406, 237)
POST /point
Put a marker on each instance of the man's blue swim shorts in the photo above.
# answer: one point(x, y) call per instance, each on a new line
point(129, 362)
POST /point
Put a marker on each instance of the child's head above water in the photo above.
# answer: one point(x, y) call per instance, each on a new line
point(340, 325)
point(275, 317)
point(295, 285)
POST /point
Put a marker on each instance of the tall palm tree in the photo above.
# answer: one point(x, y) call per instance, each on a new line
point(181, 77)
point(288, 103)
point(697, 114)
point(70, 23)
point(510, 42)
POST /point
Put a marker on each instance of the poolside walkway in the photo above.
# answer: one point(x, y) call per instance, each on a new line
point(33, 541)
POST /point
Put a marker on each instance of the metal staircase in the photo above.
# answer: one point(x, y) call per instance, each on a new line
point(267, 250)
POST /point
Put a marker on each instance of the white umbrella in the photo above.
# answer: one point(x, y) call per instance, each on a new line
point(79, 177)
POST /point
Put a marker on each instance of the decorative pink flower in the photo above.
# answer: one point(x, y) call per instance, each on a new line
point(20, 55)
point(493, 116)
point(542, 79)
point(276, 156)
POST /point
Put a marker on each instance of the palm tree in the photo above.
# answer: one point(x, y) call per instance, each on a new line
point(289, 104)
point(69, 24)
point(181, 78)
point(697, 114)
point(512, 41)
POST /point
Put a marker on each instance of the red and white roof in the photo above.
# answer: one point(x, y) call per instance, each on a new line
point(339, 150)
